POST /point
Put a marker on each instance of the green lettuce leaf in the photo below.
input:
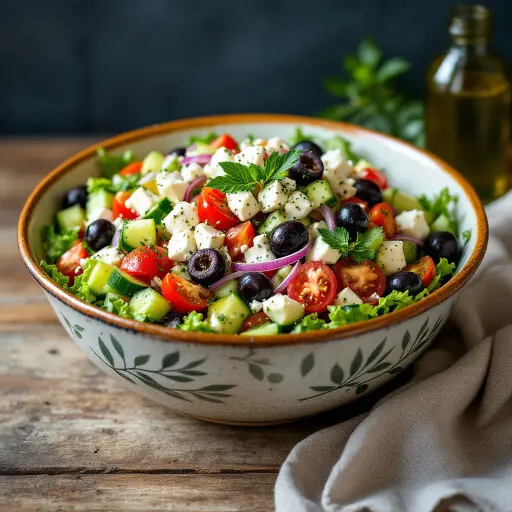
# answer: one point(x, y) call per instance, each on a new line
point(309, 323)
point(96, 184)
point(444, 271)
point(194, 322)
point(113, 303)
point(335, 142)
point(442, 203)
point(56, 244)
point(205, 139)
point(122, 183)
point(110, 163)
point(58, 277)
point(80, 287)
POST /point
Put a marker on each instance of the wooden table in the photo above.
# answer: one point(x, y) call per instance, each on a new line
point(72, 438)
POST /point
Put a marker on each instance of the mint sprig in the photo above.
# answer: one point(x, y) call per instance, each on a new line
point(361, 249)
point(245, 178)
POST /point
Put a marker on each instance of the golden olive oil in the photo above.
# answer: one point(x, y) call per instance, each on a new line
point(468, 105)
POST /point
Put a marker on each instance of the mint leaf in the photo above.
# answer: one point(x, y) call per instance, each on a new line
point(338, 239)
point(361, 249)
point(56, 244)
point(238, 178)
point(276, 166)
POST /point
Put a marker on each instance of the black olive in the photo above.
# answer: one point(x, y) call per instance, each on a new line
point(172, 320)
point(406, 282)
point(441, 244)
point(206, 266)
point(368, 191)
point(99, 234)
point(307, 169)
point(180, 151)
point(353, 218)
point(289, 237)
point(307, 145)
point(254, 286)
point(77, 195)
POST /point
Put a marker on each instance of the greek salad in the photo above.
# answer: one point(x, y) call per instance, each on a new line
point(252, 237)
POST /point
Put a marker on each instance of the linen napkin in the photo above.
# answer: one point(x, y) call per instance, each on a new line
point(443, 442)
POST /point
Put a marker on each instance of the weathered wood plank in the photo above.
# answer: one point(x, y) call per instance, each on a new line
point(125, 493)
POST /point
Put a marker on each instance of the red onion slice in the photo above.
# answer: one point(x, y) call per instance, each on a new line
point(328, 216)
point(407, 238)
point(198, 159)
point(273, 264)
point(117, 236)
point(225, 279)
point(193, 185)
point(289, 278)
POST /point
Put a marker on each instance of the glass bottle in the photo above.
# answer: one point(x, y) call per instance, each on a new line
point(468, 101)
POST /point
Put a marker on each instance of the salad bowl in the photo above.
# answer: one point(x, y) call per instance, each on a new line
point(249, 380)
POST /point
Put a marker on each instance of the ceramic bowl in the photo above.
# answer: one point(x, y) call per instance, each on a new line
point(230, 379)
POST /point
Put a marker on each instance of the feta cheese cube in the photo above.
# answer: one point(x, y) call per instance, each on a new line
point(207, 237)
point(260, 251)
point(141, 201)
point(100, 213)
point(323, 252)
point(390, 257)
point(313, 229)
point(283, 310)
point(256, 306)
point(243, 205)
point(272, 197)
point(346, 189)
point(213, 169)
point(182, 245)
point(336, 170)
point(289, 185)
point(183, 216)
point(298, 206)
point(412, 223)
point(276, 144)
point(191, 171)
point(347, 297)
point(171, 185)
point(110, 255)
point(251, 155)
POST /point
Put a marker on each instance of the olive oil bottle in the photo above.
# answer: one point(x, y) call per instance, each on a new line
point(468, 101)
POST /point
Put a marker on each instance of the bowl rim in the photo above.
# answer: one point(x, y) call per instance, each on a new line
point(166, 334)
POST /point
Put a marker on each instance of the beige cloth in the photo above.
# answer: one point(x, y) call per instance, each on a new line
point(446, 437)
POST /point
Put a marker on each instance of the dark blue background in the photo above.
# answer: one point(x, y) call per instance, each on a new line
point(69, 66)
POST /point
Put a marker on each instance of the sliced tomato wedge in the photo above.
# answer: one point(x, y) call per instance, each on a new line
point(425, 268)
point(382, 215)
point(376, 176)
point(146, 262)
point(314, 286)
point(133, 168)
point(356, 200)
point(237, 237)
point(255, 321)
point(69, 262)
point(224, 141)
point(364, 278)
point(212, 207)
point(183, 295)
point(119, 208)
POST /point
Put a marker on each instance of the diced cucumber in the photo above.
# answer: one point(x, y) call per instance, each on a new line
point(271, 222)
point(99, 276)
point(320, 192)
point(228, 314)
point(152, 163)
point(377, 243)
point(403, 202)
point(263, 330)
point(443, 223)
point(136, 233)
point(410, 252)
point(70, 218)
point(124, 283)
point(306, 221)
point(204, 149)
point(227, 289)
point(149, 305)
point(99, 199)
point(159, 211)
point(281, 275)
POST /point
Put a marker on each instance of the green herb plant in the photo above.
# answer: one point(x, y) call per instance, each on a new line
point(361, 249)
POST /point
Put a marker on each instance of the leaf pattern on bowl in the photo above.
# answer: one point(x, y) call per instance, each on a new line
point(256, 366)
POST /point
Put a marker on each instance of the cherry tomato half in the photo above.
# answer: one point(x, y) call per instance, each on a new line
point(376, 176)
point(255, 321)
point(356, 200)
point(69, 262)
point(212, 206)
point(314, 286)
point(133, 168)
point(145, 263)
point(425, 268)
point(225, 140)
point(364, 278)
point(237, 237)
point(382, 215)
point(119, 208)
point(183, 295)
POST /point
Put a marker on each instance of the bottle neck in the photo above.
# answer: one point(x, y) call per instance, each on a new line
point(471, 47)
